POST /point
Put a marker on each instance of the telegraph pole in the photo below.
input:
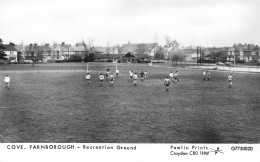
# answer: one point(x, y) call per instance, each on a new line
point(197, 54)
point(33, 52)
point(200, 54)
point(234, 57)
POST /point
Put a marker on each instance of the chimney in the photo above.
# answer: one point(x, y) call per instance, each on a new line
point(11, 43)
point(31, 47)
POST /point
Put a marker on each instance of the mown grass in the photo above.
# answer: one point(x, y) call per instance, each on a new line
point(61, 107)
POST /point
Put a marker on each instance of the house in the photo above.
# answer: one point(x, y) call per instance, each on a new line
point(140, 48)
point(31, 52)
point(231, 54)
point(64, 51)
point(80, 49)
point(67, 51)
point(223, 56)
point(57, 53)
point(250, 56)
point(220, 53)
point(195, 54)
point(246, 53)
point(167, 50)
point(125, 50)
point(10, 51)
point(136, 58)
point(215, 50)
point(239, 54)
point(44, 53)
point(20, 52)
point(108, 57)
point(35, 52)
point(257, 56)
point(191, 54)
point(99, 50)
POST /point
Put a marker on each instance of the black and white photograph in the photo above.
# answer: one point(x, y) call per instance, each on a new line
point(130, 72)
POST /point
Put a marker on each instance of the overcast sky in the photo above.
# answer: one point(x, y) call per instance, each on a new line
point(191, 22)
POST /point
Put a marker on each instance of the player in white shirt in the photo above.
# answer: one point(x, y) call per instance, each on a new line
point(167, 83)
point(7, 81)
point(175, 77)
point(111, 79)
point(145, 74)
point(101, 78)
point(204, 75)
point(88, 78)
point(131, 73)
point(135, 79)
point(230, 79)
point(171, 76)
point(117, 73)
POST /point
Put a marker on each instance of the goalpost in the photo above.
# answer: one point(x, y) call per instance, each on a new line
point(87, 68)
point(116, 64)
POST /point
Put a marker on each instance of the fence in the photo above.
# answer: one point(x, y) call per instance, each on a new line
point(208, 66)
point(82, 67)
point(57, 67)
point(41, 68)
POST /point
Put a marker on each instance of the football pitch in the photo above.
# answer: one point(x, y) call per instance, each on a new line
point(59, 106)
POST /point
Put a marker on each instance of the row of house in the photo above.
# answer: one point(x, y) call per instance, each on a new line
point(136, 52)
point(139, 52)
point(223, 54)
point(43, 52)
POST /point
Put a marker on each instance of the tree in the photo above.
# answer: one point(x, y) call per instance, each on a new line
point(167, 40)
point(90, 42)
point(89, 56)
point(155, 38)
point(2, 52)
point(140, 49)
point(169, 43)
point(177, 55)
point(86, 56)
point(257, 50)
point(33, 51)
point(118, 48)
point(159, 54)
point(175, 43)
point(108, 48)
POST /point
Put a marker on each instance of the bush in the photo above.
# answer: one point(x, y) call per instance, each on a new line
point(99, 60)
point(75, 58)
point(139, 61)
point(61, 61)
point(50, 61)
point(241, 61)
point(89, 57)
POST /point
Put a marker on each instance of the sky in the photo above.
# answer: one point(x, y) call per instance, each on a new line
point(109, 22)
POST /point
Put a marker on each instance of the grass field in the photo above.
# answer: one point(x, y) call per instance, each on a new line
point(59, 106)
